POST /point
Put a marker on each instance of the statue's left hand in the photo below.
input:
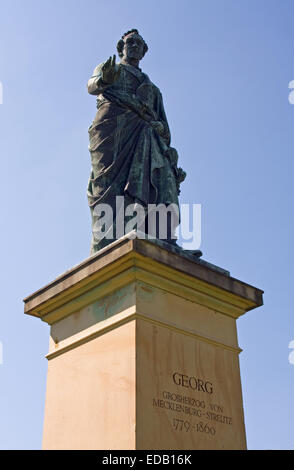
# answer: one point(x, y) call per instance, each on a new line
point(158, 126)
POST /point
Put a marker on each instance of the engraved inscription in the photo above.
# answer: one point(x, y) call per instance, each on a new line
point(192, 382)
point(208, 414)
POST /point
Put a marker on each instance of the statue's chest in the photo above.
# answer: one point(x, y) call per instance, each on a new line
point(135, 83)
point(129, 82)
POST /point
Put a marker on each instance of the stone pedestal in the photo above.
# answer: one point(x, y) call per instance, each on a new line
point(143, 352)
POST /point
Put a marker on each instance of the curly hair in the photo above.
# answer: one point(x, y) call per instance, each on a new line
point(121, 42)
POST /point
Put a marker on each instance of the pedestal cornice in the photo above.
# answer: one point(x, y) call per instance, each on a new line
point(126, 261)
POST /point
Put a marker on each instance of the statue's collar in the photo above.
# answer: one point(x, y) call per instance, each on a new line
point(134, 70)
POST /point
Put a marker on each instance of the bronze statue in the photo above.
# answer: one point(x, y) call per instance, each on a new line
point(130, 138)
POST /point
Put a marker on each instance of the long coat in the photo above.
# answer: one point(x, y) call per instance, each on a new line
point(129, 157)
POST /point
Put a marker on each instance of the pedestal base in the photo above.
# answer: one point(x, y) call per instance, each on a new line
point(143, 352)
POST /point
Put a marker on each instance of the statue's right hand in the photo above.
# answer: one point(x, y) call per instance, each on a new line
point(110, 72)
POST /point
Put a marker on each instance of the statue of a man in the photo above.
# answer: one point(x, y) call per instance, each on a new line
point(129, 139)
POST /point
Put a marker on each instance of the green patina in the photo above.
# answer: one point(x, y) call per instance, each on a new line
point(113, 303)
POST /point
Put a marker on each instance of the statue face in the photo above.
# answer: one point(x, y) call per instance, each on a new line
point(134, 47)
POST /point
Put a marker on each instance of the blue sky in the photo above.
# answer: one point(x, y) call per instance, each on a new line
point(223, 67)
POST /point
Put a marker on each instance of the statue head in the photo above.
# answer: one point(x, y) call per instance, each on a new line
point(131, 47)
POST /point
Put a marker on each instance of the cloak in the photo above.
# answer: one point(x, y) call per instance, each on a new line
point(129, 157)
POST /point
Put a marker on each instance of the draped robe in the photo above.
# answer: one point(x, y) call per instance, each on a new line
point(129, 157)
